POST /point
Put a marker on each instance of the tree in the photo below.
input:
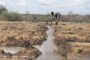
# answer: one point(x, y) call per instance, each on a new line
point(2, 8)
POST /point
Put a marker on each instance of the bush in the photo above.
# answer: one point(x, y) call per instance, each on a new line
point(11, 16)
point(3, 8)
point(80, 50)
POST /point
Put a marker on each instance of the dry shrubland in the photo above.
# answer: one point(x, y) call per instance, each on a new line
point(73, 35)
point(29, 53)
point(16, 33)
point(22, 34)
point(73, 32)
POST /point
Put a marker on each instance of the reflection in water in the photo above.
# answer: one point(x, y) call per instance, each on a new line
point(48, 47)
point(12, 50)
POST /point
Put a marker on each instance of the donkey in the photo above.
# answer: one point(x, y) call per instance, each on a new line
point(52, 16)
point(55, 17)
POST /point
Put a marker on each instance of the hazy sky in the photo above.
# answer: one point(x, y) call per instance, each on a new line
point(45, 6)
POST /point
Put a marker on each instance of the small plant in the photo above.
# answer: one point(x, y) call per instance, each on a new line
point(11, 38)
point(80, 51)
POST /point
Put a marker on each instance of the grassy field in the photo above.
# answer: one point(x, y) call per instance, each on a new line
point(71, 35)
point(11, 32)
point(73, 32)
point(22, 34)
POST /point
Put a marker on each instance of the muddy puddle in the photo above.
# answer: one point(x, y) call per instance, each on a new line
point(12, 50)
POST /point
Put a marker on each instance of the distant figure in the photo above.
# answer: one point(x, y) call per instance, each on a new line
point(52, 13)
point(52, 16)
point(55, 17)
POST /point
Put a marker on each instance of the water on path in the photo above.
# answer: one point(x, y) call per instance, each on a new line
point(12, 50)
point(48, 47)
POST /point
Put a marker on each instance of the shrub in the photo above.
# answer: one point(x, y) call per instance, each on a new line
point(11, 16)
point(3, 8)
point(80, 50)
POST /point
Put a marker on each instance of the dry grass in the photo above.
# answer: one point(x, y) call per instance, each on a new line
point(23, 34)
point(22, 31)
point(29, 52)
point(77, 35)
point(73, 31)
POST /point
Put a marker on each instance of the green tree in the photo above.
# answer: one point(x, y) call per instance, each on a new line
point(3, 8)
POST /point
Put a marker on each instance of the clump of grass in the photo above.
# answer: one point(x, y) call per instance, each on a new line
point(11, 38)
point(80, 51)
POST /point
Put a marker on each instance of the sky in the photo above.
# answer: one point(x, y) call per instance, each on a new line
point(46, 6)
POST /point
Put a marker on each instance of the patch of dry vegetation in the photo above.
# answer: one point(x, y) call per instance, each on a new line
point(22, 34)
point(71, 34)
point(14, 33)
point(29, 53)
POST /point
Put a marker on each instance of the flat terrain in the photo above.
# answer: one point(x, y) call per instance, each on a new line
point(73, 32)
point(24, 35)
point(22, 32)
point(70, 37)
point(73, 37)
